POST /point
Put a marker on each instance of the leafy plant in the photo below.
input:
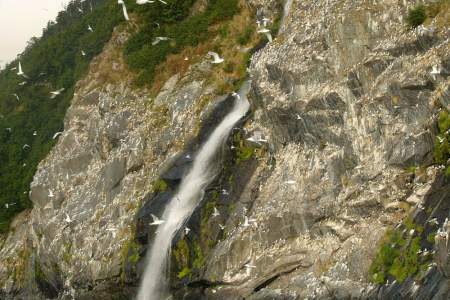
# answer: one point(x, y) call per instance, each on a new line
point(442, 143)
point(399, 254)
point(416, 16)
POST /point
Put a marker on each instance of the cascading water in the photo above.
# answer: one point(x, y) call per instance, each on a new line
point(154, 285)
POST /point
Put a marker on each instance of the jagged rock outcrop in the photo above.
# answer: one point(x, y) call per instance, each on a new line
point(346, 101)
point(87, 192)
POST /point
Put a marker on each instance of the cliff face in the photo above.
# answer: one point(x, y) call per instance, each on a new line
point(346, 101)
point(345, 97)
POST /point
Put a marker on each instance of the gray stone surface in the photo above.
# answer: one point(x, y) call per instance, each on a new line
point(345, 98)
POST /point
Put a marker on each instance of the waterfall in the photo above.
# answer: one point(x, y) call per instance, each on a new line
point(154, 284)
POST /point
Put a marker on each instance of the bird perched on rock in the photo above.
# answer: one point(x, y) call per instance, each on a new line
point(433, 221)
point(216, 58)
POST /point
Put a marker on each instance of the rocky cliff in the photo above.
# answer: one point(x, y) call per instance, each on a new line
point(347, 102)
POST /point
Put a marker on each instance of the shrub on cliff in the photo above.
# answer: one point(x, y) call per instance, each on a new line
point(416, 16)
point(176, 22)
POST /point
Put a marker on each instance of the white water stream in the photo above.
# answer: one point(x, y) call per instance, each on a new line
point(154, 285)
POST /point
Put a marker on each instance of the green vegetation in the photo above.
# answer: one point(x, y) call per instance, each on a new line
point(181, 255)
point(416, 16)
point(246, 36)
point(442, 143)
point(55, 61)
point(199, 259)
point(185, 272)
point(399, 254)
point(244, 152)
point(422, 12)
point(160, 186)
point(51, 62)
point(129, 256)
point(67, 253)
point(176, 22)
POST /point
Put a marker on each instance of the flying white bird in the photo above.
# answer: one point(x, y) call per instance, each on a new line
point(67, 219)
point(249, 266)
point(225, 192)
point(266, 32)
point(156, 220)
point(124, 8)
point(80, 10)
point(142, 2)
point(159, 39)
point(216, 213)
point(221, 227)
point(56, 93)
point(17, 97)
point(57, 134)
point(435, 71)
point(440, 139)
point(20, 72)
point(216, 58)
point(90, 28)
point(256, 139)
point(433, 221)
